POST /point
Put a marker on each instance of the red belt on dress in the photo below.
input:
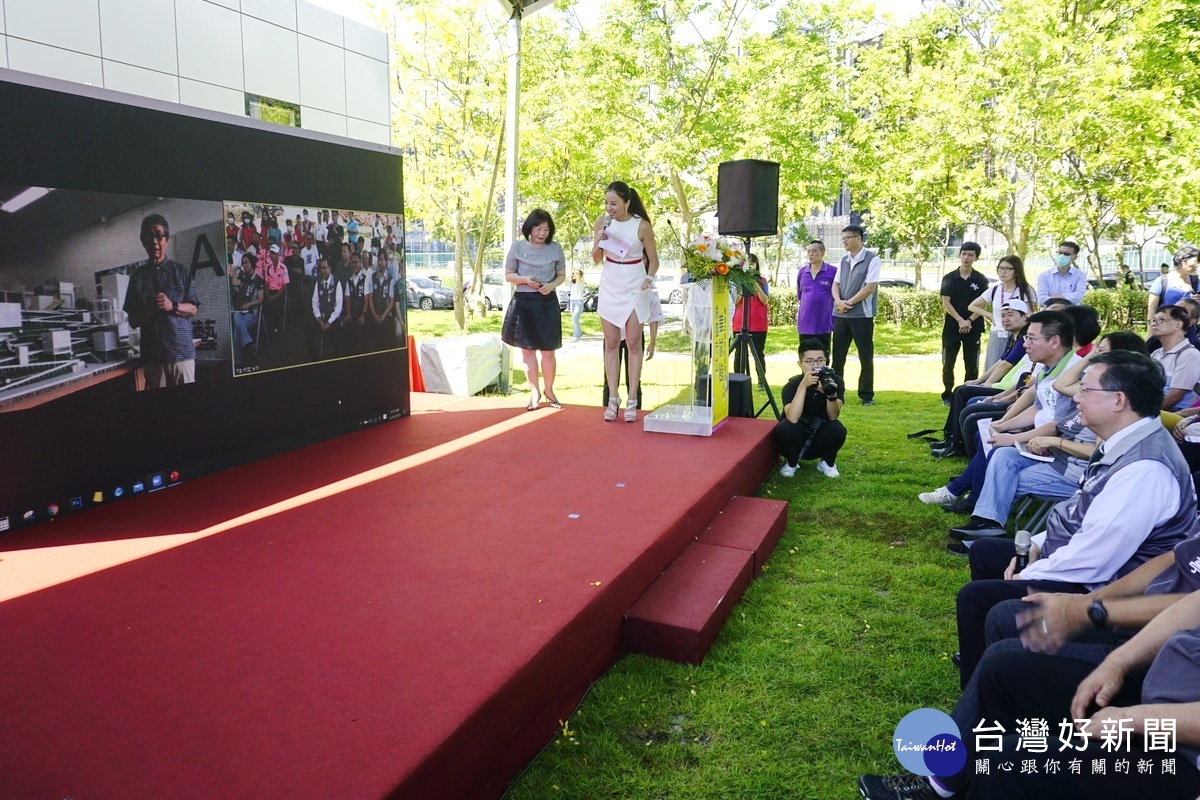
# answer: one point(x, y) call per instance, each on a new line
point(614, 261)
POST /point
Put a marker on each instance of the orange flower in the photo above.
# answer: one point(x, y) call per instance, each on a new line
point(722, 268)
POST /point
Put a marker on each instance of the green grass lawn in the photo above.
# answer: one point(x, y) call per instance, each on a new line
point(849, 629)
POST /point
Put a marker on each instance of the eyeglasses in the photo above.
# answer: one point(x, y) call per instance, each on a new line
point(1162, 320)
point(157, 236)
point(1006, 269)
point(1085, 389)
point(813, 362)
point(1031, 338)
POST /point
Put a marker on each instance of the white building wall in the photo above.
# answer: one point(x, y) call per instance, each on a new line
point(210, 54)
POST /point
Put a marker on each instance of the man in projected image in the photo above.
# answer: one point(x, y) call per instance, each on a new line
point(161, 302)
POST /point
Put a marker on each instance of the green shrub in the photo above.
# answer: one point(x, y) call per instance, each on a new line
point(920, 308)
point(1119, 309)
point(782, 306)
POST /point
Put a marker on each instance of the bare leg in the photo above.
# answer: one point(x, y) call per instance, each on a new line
point(633, 338)
point(612, 357)
point(531, 375)
point(548, 366)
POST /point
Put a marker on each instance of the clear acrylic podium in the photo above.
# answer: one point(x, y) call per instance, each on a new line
point(704, 402)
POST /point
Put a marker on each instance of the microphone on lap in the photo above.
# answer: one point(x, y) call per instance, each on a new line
point(1023, 543)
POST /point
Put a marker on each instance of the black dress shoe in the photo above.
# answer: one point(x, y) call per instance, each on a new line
point(939, 445)
point(945, 452)
point(956, 660)
point(963, 505)
point(978, 528)
point(959, 548)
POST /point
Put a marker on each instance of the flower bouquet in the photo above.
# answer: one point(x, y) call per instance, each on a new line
point(709, 257)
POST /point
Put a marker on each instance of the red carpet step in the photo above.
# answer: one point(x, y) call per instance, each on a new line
point(680, 615)
point(749, 523)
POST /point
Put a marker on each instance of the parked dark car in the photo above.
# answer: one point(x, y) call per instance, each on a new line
point(427, 295)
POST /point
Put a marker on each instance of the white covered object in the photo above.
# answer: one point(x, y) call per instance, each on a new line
point(465, 365)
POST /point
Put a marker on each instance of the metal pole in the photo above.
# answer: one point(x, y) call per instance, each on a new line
point(511, 133)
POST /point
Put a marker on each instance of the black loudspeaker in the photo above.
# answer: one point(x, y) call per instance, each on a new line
point(748, 198)
point(741, 399)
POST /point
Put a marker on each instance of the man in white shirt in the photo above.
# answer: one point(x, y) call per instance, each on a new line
point(326, 313)
point(310, 254)
point(1136, 500)
point(855, 294)
point(1066, 280)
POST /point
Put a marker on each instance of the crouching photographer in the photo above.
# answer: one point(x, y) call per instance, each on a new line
point(812, 402)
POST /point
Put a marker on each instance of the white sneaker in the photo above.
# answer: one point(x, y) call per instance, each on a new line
point(940, 497)
point(826, 470)
point(787, 470)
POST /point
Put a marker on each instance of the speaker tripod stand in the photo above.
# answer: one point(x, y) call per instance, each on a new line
point(743, 349)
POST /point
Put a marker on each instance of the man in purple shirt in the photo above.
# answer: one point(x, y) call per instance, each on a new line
point(814, 293)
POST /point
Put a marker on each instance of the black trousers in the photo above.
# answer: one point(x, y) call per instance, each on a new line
point(823, 338)
point(968, 422)
point(862, 331)
point(952, 340)
point(989, 559)
point(826, 442)
point(1018, 685)
point(958, 402)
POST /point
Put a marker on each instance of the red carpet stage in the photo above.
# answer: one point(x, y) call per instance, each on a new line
point(407, 611)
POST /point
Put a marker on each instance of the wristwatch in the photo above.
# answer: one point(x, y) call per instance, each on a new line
point(1098, 614)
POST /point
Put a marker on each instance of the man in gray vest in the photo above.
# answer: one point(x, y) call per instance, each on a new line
point(854, 304)
point(1136, 500)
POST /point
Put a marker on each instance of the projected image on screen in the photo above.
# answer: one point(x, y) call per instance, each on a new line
point(121, 290)
point(312, 284)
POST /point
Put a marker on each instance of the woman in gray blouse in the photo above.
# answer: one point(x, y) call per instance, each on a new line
point(533, 323)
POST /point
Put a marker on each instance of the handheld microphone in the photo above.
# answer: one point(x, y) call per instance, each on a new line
point(1023, 544)
point(607, 221)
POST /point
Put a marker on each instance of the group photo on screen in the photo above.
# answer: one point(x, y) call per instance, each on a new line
point(108, 293)
point(312, 284)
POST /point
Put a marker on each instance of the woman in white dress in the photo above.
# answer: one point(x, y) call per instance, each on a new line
point(624, 244)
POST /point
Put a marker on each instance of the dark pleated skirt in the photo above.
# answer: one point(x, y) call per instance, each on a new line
point(533, 322)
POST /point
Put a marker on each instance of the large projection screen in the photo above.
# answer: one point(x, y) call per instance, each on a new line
point(127, 200)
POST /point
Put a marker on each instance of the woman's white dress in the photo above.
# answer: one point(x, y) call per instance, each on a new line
point(621, 283)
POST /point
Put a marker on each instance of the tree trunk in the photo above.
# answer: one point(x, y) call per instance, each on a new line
point(460, 252)
point(487, 212)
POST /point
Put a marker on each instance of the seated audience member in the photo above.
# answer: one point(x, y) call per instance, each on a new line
point(1151, 682)
point(326, 313)
point(1056, 304)
point(812, 402)
point(1086, 324)
point(1012, 319)
point(1068, 381)
point(1048, 344)
point(1171, 287)
point(1135, 502)
point(275, 276)
point(246, 290)
point(1011, 474)
point(1180, 361)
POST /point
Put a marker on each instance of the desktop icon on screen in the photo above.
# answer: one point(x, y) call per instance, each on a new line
point(4, 524)
point(117, 492)
point(156, 481)
point(76, 503)
point(97, 497)
point(52, 509)
point(139, 487)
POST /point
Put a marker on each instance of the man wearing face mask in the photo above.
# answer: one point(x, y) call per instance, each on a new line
point(1066, 280)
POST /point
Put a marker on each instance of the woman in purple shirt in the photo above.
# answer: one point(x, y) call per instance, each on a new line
point(814, 293)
